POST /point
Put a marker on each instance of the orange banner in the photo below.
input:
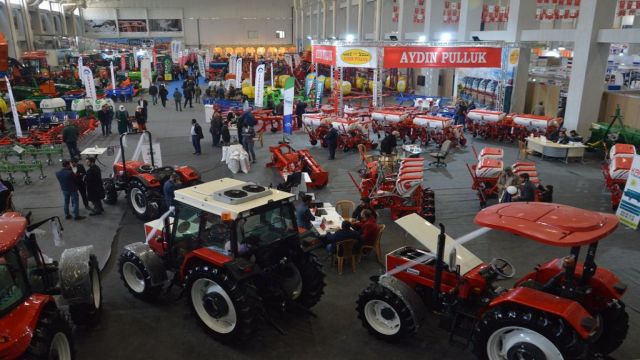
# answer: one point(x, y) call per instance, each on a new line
point(442, 57)
point(324, 54)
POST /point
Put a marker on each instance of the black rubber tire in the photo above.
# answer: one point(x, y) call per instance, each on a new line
point(313, 142)
point(375, 291)
point(242, 296)
point(615, 325)
point(51, 322)
point(110, 192)
point(149, 293)
point(151, 206)
point(312, 280)
point(88, 314)
point(555, 329)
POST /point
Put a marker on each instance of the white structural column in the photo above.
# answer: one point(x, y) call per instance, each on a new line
point(13, 49)
point(589, 65)
point(634, 48)
point(28, 29)
point(297, 34)
point(434, 19)
point(347, 17)
point(378, 20)
point(401, 19)
point(360, 16)
point(470, 18)
point(323, 35)
point(335, 5)
point(521, 17)
point(318, 9)
point(302, 32)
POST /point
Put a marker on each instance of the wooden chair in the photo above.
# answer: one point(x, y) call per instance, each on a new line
point(523, 153)
point(258, 139)
point(345, 208)
point(376, 245)
point(345, 250)
point(366, 158)
point(441, 155)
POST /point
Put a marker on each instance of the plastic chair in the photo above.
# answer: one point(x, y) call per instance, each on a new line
point(376, 245)
point(345, 208)
point(345, 250)
point(441, 155)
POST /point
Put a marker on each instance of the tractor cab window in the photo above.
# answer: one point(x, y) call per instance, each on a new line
point(215, 233)
point(29, 257)
point(187, 226)
point(13, 287)
point(265, 227)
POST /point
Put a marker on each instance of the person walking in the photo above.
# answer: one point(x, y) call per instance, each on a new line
point(69, 187)
point(197, 93)
point(301, 107)
point(196, 135)
point(79, 172)
point(103, 117)
point(140, 119)
point(240, 125)
point(332, 141)
point(169, 188)
point(248, 133)
point(177, 97)
point(163, 93)
point(145, 104)
point(216, 128)
point(122, 116)
point(93, 184)
point(70, 135)
point(224, 133)
point(153, 92)
point(188, 94)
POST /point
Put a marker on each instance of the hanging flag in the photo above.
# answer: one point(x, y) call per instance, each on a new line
point(200, 64)
point(176, 48)
point(251, 72)
point(288, 106)
point(145, 72)
point(308, 83)
point(80, 64)
point(319, 89)
point(238, 72)
point(113, 76)
point(374, 91)
point(14, 110)
point(90, 86)
point(259, 90)
point(168, 69)
point(272, 79)
point(136, 61)
point(232, 64)
point(287, 59)
point(207, 62)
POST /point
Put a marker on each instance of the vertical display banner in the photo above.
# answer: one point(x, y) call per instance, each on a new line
point(259, 87)
point(200, 64)
point(232, 64)
point(374, 91)
point(287, 59)
point(176, 48)
point(308, 83)
point(296, 59)
point(288, 106)
point(168, 69)
point(80, 65)
point(251, 72)
point(113, 76)
point(136, 62)
point(145, 72)
point(89, 83)
point(14, 110)
point(272, 79)
point(123, 62)
point(238, 72)
point(207, 60)
point(629, 209)
point(319, 89)
point(153, 54)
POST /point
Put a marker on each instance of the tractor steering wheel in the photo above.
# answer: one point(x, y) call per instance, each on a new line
point(502, 267)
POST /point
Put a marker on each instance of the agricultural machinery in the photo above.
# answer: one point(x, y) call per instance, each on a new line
point(563, 309)
point(352, 132)
point(288, 161)
point(142, 182)
point(616, 171)
point(234, 249)
point(497, 125)
point(32, 324)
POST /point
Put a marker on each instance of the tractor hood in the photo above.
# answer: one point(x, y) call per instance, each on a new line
point(427, 235)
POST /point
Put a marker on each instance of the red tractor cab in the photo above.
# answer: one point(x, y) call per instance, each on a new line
point(32, 325)
point(142, 182)
point(563, 309)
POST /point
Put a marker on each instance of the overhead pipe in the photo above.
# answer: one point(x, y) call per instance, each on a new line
point(33, 3)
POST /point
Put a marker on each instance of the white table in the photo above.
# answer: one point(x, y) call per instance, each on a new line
point(333, 220)
point(554, 150)
point(93, 151)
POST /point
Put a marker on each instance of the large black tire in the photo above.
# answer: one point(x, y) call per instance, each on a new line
point(615, 325)
point(224, 307)
point(141, 201)
point(384, 314)
point(136, 277)
point(88, 314)
point(312, 280)
point(512, 318)
point(110, 192)
point(52, 337)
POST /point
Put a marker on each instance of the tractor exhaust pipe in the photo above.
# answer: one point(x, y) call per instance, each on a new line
point(439, 267)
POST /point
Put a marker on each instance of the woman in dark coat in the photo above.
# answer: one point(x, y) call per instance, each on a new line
point(93, 183)
point(141, 119)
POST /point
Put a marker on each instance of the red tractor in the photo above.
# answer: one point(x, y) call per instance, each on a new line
point(143, 182)
point(289, 161)
point(32, 325)
point(563, 309)
point(235, 250)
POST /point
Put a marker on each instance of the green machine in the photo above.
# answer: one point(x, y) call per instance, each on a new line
point(606, 134)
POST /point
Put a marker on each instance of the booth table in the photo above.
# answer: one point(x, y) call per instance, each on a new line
point(554, 150)
point(332, 220)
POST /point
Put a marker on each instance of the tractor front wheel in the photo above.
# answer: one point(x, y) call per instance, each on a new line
point(52, 337)
point(136, 277)
point(614, 323)
point(384, 314)
point(140, 202)
point(312, 280)
point(523, 333)
point(226, 308)
point(88, 314)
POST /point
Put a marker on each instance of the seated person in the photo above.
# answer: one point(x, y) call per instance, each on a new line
point(304, 216)
point(527, 189)
point(389, 143)
point(368, 227)
point(365, 203)
point(546, 193)
point(346, 232)
point(562, 137)
point(574, 136)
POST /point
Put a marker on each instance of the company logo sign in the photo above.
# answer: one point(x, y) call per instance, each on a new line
point(442, 57)
point(355, 56)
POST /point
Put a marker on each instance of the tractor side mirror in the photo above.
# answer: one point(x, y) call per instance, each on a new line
point(452, 259)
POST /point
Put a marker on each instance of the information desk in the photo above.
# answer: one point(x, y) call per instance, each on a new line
point(554, 150)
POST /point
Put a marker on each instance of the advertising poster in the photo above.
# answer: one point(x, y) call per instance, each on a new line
point(165, 25)
point(201, 64)
point(100, 26)
point(176, 48)
point(319, 89)
point(629, 209)
point(89, 83)
point(132, 26)
point(157, 154)
point(113, 76)
point(374, 91)
point(360, 57)
point(14, 110)
point(238, 72)
point(145, 72)
point(308, 83)
point(289, 61)
point(324, 54)
point(288, 106)
point(168, 67)
point(259, 92)
point(232, 64)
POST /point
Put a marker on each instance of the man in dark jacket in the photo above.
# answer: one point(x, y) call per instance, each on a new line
point(144, 104)
point(216, 128)
point(164, 93)
point(153, 92)
point(6, 189)
point(188, 90)
point(69, 188)
point(365, 203)
point(527, 189)
point(196, 135)
point(105, 120)
point(93, 183)
point(389, 143)
point(70, 135)
point(279, 110)
point(169, 188)
point(301, 107)
point(345, 233)
point(332, 142)
point(80, 172)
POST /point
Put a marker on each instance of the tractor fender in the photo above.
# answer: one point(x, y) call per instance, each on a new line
point(152, 262)
point(571, 311)
point(408, 296)
point(188, 173)
point(148, 180)
point(74, 273)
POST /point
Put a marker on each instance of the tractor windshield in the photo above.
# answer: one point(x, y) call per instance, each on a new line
point(13, 287)
point(269, 225)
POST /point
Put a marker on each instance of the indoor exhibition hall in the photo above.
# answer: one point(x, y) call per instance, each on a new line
point(320, 179)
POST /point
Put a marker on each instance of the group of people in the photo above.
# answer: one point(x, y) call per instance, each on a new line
point(75, 182)
point(159, 91)
point(512, 187)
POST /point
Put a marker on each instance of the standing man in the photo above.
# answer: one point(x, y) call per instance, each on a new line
point(301, 107)
point(187, 89)
point(169, 188)
point(70, 135)
point(164, 93)
point(332, 141)
point(527, 189)
point(177, 97)
point(140, 119)
point(196, 135)
point(216, 128)
point(80, 172)
point(145, 104)
point(198, 93)
point(69, 188)
point(279, 110)
point(93, 183)
point(103, 117)
point(153, 91)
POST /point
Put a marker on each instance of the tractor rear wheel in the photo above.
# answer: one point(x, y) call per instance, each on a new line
point(614, 323)
point(140, 201)
point(136, 277)
point(88, 314)
point(384, 314)
point(226, 308)
point(312, 280)
point(52, 337)
point(110, 192)
point(512, 332)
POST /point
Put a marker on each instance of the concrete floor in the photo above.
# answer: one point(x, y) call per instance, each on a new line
point(133, 329)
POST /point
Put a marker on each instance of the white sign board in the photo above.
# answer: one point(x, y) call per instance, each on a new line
point(157, 155)
point(358, 57)
point(629, 209)
point(208, 113)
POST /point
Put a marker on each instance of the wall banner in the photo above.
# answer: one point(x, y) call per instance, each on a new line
point(629, 209)
point(359, 57)
point(442, 57)
point(323, 54)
